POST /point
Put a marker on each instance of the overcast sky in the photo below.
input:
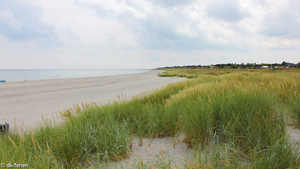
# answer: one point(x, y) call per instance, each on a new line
point(103, 34)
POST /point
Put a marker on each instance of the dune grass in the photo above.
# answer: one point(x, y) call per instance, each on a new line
point(236, 120)
point(194, 73)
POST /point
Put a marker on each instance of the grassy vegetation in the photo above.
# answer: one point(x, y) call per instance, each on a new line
point(193, 73)
point(236, 120)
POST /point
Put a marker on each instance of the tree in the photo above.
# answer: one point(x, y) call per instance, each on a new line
point(283, 63)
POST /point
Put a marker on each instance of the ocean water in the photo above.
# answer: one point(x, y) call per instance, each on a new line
point(13, 75)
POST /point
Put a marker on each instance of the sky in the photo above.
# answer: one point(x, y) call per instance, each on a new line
point(143, 34)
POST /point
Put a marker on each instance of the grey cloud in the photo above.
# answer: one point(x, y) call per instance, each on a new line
point(260, 2)
point(158, 36)
point(226, 10)
point(160, 32)
point(157, 32)
point(172, 3)
point(284, 24)
point(28, 16)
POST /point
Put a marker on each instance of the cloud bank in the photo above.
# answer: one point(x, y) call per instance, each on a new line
point(146, 33)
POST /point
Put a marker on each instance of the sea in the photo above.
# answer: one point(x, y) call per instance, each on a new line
point(14, 75)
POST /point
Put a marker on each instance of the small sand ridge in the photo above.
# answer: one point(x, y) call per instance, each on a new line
point(294, 136)
point(154, 151)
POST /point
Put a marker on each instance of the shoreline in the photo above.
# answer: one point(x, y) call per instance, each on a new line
point(24, 103)
point(78, 78)
point(29, 80)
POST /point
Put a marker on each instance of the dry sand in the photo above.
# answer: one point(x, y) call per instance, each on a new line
point(294, 134)
point(156, 150)
point(24, 103)
point(153, 153)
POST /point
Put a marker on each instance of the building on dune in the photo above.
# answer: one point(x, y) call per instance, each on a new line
point(213, 66)
point(291, 66)
point(205, 66)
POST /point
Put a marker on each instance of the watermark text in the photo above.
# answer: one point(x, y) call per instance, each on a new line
point(13, 165)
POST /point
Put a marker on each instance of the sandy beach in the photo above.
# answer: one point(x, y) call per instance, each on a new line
point(24, 103)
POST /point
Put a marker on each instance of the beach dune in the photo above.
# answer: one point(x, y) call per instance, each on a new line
point(24, 103)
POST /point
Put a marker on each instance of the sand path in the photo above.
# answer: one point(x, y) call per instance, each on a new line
point(24, 103)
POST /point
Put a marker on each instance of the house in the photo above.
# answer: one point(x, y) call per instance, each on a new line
point(213, 66)
point(206, 66)
point(290, 66)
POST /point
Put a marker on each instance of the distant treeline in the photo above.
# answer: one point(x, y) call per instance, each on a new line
point(235, 65)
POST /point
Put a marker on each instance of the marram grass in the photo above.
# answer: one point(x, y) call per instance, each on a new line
point(236, 120)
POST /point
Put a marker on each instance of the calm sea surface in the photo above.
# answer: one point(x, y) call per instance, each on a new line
point(12, 75)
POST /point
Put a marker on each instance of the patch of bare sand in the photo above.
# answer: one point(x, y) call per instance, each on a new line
point(294, 135)
point(160, 151)
point(154, 152)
